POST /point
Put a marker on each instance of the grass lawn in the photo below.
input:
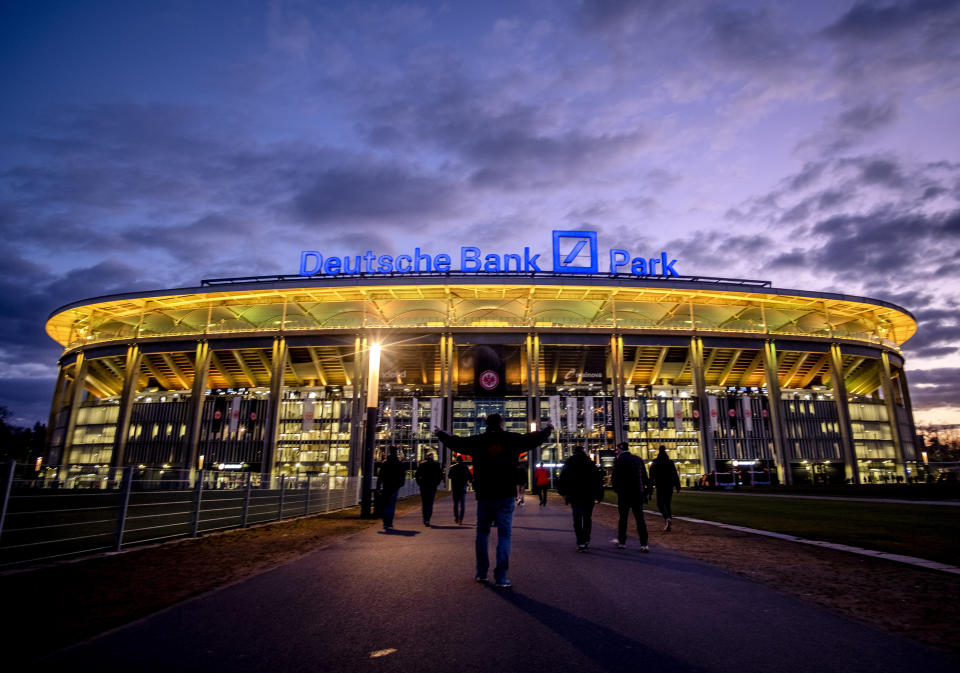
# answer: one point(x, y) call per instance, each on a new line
point(925, 531)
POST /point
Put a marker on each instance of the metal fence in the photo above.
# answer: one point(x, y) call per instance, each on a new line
point(44, 520)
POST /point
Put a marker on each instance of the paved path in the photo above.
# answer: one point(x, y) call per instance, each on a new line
point(407, 602)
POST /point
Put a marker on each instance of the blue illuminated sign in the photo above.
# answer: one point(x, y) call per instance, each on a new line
point(574, 252)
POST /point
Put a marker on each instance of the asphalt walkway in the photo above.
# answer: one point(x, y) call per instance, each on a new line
point(407, 602)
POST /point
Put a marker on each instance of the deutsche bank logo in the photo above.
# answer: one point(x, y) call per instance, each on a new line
point(575, 252)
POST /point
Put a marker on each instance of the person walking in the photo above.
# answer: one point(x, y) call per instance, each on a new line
point(581, 484)
point(459, 476)
point(630, 483)
point(495, 454)
point(663, 475)
point(392, 476)
point(541, 482)
point(429, 474)
point(523, 480)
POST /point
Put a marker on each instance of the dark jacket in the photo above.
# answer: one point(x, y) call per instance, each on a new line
point(495, 454)
point(663, 474)
point(429, 474)
point(581, 481)
point(629, 475)
point(522, 476)
point(392, 475)
point(459, 476)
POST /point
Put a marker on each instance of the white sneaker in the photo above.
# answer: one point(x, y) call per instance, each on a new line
point(644, 549)
point(620, 545)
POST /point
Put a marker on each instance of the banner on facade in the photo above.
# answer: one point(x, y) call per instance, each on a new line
point(489, 371)
point(308, 411)
point(219, 411)
point(747, 414)
point(554, 401)
point(642, 409)
point(436, 413)
point(712, 409)
point(662, 413)
point(572, 415)
point(678, 414)
point(588, 414)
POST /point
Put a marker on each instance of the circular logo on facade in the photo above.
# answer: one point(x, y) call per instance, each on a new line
point(253, 415)
point(733, 413)
point(217, 415)
point(489, 380)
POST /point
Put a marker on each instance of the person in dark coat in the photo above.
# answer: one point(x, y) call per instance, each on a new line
point(495, 454)
point(392, 476)
point(523, 480)
point(459, 476)
point(663, 475)
point(581, 484)
point(429, 474)
point(630, 483)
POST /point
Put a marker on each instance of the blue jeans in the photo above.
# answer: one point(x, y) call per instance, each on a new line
point(490, 511)
point(459, 504)
point(389, 507)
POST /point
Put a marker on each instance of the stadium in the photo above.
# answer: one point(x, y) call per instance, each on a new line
point(739, 380)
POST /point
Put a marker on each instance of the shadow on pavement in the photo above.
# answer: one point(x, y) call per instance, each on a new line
point(397, 531)
point(609, 649)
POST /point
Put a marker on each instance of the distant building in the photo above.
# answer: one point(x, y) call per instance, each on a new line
point(269, 375)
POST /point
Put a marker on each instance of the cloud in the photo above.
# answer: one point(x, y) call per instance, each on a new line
point(934, 387)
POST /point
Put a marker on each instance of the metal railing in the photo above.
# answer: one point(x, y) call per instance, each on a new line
point(44, 520)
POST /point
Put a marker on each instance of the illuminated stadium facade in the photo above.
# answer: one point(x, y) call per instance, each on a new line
point(271, 374)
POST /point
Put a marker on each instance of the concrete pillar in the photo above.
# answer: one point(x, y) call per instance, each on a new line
point(75, 398)
point(51, 454)
point(707, 452)
point(272, 421)
point(198, 394)
point(616, 375)
point(843, 413)
point(889, 400)
point(782, 451)
point(131, 381)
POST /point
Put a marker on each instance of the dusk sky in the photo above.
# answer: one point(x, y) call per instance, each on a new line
point(151, 145)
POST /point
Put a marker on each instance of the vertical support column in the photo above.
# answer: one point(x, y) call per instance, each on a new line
point(452, 378)
point(533, 456)
point(901, 383)
point(131, 380)
point(536, 378)
point(373, 392)
point(51, 454)
point(616, 376)
point(272, 421)
point(356, 410)
point(843, 413)
point(707, 452)
point(889, 400)
point(198, 394)
point(781, 450)
point(76, 397)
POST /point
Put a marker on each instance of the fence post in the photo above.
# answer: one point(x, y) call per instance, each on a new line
point(197, 498)
point(246, 501)
point(283, 482)
point(306, 503)
point(126, 484)
point(7, 486)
